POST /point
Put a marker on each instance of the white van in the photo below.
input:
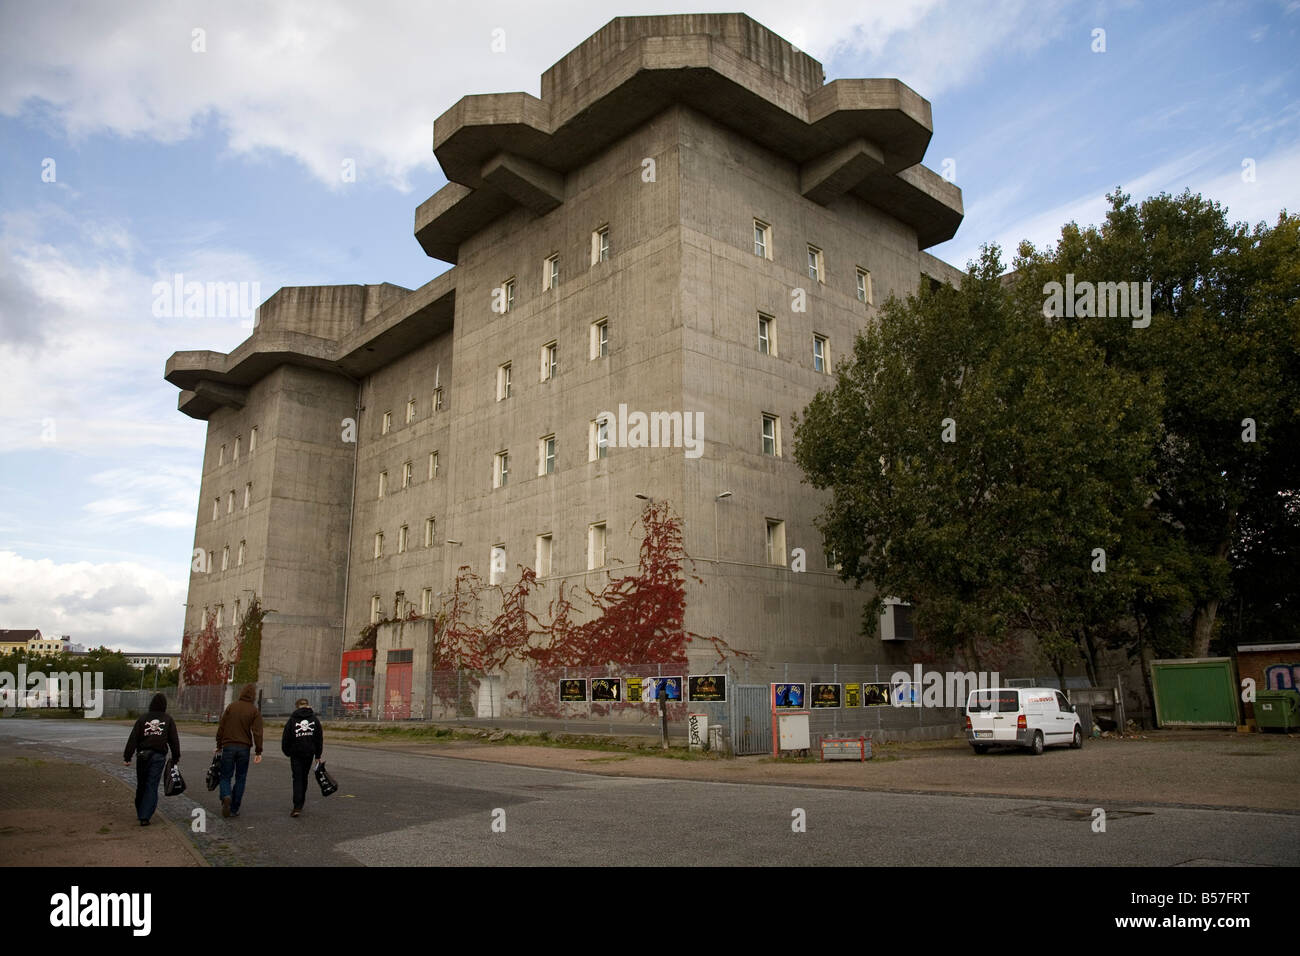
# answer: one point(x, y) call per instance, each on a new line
point(1029, 717)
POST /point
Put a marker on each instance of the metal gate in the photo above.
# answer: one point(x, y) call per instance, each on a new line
point(751, 721)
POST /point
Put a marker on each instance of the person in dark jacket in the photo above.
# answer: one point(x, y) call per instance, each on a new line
point(150, 739)
point(302, 742)
point(240, 731)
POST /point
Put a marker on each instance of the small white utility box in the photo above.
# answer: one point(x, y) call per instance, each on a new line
point(697, 731)
point(793, 731)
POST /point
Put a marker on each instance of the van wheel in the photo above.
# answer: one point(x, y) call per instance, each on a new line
point(1036, 748)
point(980, 748)
point(1077, 742)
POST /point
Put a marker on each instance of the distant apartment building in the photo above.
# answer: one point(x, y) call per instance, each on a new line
point(152, 659)
point(689, 223)
point(18, 640)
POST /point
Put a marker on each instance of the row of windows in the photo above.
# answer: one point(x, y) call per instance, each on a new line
point(230, 501)
point(225, 557)
point(821, 345)
point(816, 261)
point(404, 536)
point(597, 556)
point(408, 473)
point(437, 405)
point(503, 296)
point(252, 447)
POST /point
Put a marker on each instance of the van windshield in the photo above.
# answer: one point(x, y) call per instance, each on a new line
point(994, 701)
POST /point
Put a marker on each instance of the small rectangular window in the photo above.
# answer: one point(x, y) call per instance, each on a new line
point(766, 343)
point(550, 360)
point(430, 531)
point(243, 550)
point(546, 455)
point(383, 483)
point(410, 411)
point(775, 542)
point(437, 399)
point(426, 601)
point(387, 425)
point(221, 611)
point(600, 338)
point(550, 273)
point(762, 239)
point(509, 294)
point(497, 564)
point(503, 382)
point(600, 245)
point(379, 544)
point(543, 562)
point(216, 508)
point(374, 609)
point(598, 442)
point(821, 354)
point(816, 267)
point(501, 470)
point(248, 494)
point(433, 465)
point(401, 539)
point(596, 546)
point(221, 456)
point(235, 457)
point(408, 471)
point(252, 441)
point(225, 558)
point(230, 502)
point(771, 436)
point(864, 286)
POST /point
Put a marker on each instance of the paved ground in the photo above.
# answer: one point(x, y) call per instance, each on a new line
point(421, 805)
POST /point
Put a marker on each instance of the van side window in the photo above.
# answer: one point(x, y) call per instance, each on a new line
point(1062, 703)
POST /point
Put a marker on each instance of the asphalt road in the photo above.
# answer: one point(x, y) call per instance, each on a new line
point(401, 809)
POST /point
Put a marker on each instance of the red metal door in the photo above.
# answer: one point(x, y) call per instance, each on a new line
point(397, 706)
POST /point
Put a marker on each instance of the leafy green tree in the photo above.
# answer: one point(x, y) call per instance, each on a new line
point(1223, 345)
point(978, 456)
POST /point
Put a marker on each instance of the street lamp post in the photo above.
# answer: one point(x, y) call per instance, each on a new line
point(717, 548)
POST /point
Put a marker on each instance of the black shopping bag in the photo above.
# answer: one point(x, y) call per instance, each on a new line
point(173, 782)
point(213, 776)
point(327, 784)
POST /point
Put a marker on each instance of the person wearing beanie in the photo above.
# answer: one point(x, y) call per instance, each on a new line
point(150, 739)
point(302, 742)
point(239, 731)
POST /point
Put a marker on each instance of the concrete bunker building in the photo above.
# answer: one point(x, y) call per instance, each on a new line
point(689, 219)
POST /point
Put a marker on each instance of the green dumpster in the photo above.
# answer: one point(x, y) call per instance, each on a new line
point(1277, 710)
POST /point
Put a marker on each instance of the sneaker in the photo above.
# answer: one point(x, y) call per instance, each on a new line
point(295, 812)
point(225, 806)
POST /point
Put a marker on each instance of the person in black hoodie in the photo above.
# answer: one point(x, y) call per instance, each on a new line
point(150, 738)
point(302, 742)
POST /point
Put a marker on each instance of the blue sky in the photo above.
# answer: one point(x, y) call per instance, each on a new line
point(225, 165)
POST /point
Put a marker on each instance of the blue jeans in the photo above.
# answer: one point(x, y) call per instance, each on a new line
point(148, 773)
point(234, 762)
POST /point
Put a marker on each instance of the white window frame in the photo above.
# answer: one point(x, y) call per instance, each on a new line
point(504, 389)
point(408, 473)
point(766, 334)
point(501, 469)
point(546, 455)
point(864, 285)
point(550, 361)
point(597, 532)
point(763, 239)
point(379, 544)
point(600, 245)
point(824, 357)
point(221, 456)
point(433, 465)
point(596, 448)
point(243, 551)
point(508, 290)
point(403, 535)
point(387, 425)
point(216, 508)
point(543, 550)
point(225, 558)
point(774, 438)
point(383, 484)
point(410, 411)
point(430, 530)
point(230, 502)
point(235, 456)
point(816, 264)
point(550, 272)
point(426, 601)
point(497, 568)
point(248, 494)
point(600, 338)
point(374, 609)
point(437, 399)
point(775, 542)
point(252, 440)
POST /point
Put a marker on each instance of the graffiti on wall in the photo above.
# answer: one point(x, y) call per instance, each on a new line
point(1282, 677)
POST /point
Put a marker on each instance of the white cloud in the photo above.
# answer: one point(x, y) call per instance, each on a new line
point(120, 604)
point(328, 80)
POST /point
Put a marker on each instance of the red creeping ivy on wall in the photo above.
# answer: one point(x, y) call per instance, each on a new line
point(203, 662)
point(635, 619)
